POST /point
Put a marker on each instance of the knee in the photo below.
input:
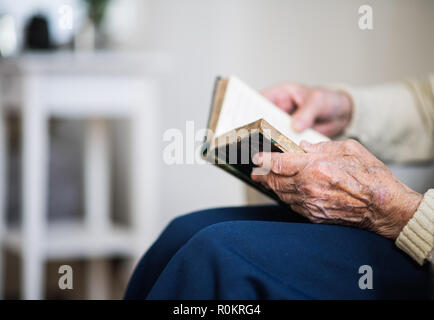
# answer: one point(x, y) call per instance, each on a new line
point(183, 223)
point(193, 222)
point(178, 223)
point(213, 237)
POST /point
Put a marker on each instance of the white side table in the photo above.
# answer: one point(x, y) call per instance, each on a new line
point(95, 87)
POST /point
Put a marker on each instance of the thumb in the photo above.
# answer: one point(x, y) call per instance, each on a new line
point(317, 147)
point(306, 146)
point(305, 116)
point(309, 147)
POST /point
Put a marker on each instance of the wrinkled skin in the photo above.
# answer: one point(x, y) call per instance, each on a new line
point(334, 182)
point(340, 182)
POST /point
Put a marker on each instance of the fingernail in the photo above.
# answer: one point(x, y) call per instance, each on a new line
point(257, 159)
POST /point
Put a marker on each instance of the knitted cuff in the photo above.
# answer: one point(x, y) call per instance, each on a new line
point(417, 237)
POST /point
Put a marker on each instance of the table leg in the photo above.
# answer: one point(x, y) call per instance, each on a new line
point(97, 176)
point(34, 193)
point(145, 165)
point(98, 279)
point(97, 202)
point(3, 183)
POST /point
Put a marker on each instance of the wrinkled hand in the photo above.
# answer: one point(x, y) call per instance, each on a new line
point(340, 183)
point(326, 111)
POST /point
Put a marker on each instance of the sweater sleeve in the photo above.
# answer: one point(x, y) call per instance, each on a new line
point(417, 237)
point(395, 121)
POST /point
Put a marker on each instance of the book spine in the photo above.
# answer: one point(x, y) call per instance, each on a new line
point(206, 144)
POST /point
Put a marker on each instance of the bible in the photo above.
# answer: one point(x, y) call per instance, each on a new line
point(242, 123)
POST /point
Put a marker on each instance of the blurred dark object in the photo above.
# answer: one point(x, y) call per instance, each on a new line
point(97, 10)
point(37, 35)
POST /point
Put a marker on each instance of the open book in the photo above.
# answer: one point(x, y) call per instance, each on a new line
point(242, 123)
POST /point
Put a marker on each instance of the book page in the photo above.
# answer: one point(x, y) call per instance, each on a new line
point(243, 105)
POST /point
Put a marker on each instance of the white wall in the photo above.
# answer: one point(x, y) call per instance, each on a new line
point(265, 42)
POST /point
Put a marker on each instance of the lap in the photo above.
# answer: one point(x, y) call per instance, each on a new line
point(181, 229)
point(283, 260)
point(259, 252)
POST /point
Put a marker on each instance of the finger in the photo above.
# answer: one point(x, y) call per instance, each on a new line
point(305, 145)
point(322, 147)
point(283, 185)
point(261, 178)
point(281, 99)
point(270, 93)
point(279, 184)
point(287, 164)
point(265, 185)
point(328, 129)
point(261, 172)
point(305, 115)
point(263, 162)
point(286, 96)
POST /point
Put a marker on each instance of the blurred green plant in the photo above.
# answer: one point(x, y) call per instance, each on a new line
point(96, 10)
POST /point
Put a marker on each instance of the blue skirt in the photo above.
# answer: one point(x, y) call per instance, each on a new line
point(269, 252)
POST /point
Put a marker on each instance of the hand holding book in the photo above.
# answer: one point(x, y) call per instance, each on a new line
point(337, 182)
point(242, 123)
point(326, 111)
point(340, 182)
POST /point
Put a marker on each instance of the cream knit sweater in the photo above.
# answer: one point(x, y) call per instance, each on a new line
point(396, 122)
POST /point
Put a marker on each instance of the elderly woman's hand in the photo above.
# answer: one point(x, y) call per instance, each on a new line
point(326, 111)
point(340, 183)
